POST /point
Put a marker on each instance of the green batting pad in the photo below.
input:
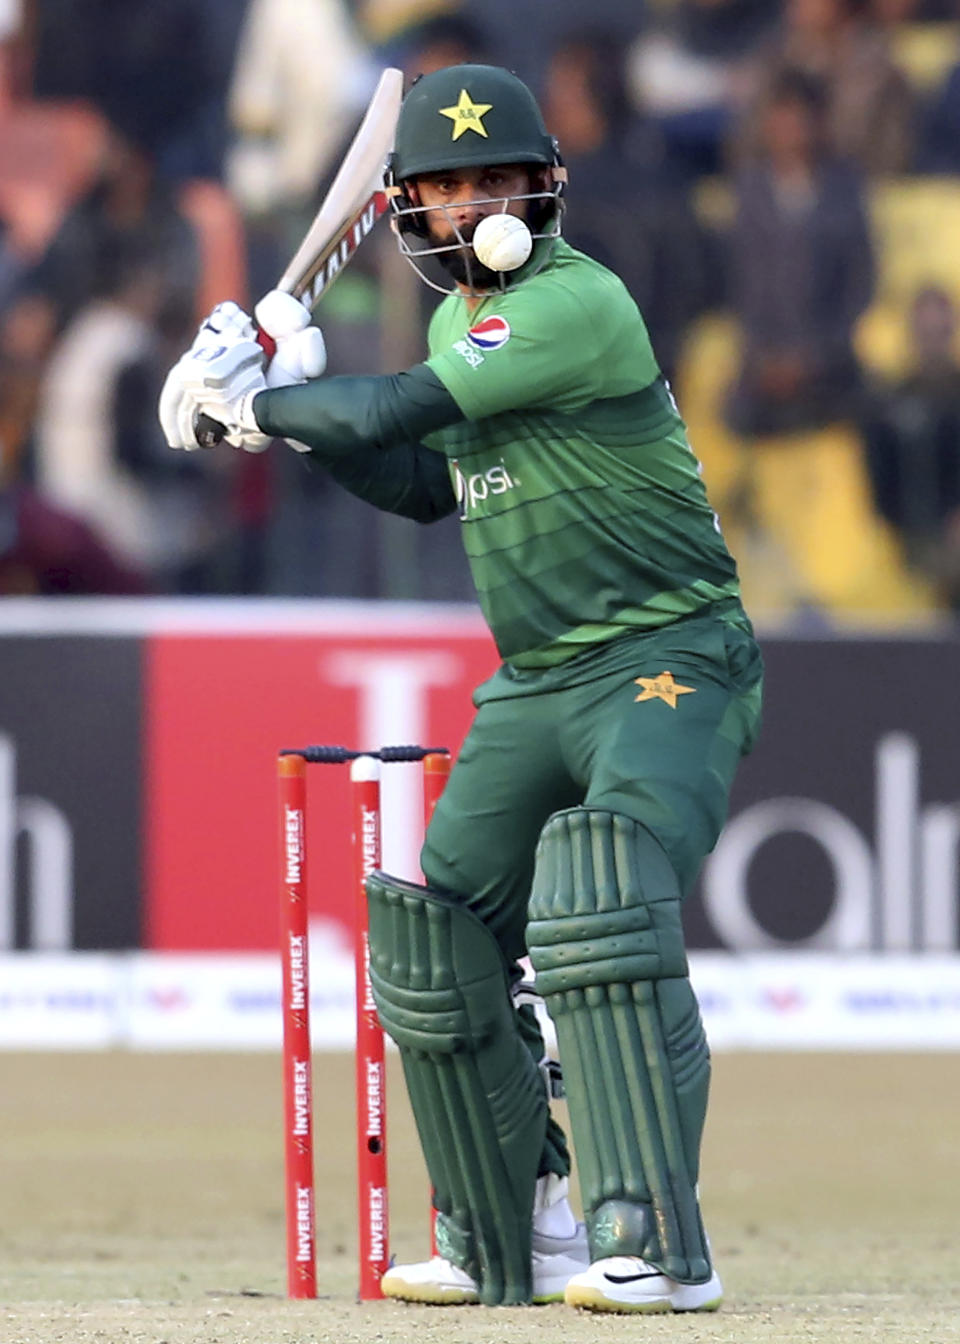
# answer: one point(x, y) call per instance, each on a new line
point(606, 942)
point(442, 991)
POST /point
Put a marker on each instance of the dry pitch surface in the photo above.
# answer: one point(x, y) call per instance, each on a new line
point(141, 1201)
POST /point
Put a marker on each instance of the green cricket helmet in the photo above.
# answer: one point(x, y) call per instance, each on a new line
point(470, 116)
point(465, 116)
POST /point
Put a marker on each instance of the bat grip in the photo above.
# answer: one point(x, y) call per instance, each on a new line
point(209, 432)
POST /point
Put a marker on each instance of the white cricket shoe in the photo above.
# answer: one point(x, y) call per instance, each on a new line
point(437, 1281)
point(555, 1261)
point(559, 1252)
point(626, 1283)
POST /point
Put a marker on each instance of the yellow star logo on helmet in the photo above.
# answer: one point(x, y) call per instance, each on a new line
point(466, 115)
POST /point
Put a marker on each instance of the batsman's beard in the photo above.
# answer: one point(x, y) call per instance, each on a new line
point(463, 265)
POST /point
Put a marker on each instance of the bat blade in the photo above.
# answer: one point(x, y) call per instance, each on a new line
point(331, 259)
point(347, 214)
point(354, 201)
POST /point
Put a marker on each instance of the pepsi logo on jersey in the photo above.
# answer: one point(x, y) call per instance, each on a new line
point(489, 333)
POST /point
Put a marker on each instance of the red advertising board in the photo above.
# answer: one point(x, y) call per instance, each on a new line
point(138, 745)
point(219, 707)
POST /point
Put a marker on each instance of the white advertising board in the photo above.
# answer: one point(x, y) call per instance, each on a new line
point(776, 1001)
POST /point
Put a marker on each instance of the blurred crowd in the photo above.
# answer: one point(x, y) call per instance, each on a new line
point(776, 181)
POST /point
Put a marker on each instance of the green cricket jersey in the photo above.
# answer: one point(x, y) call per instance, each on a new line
point(583, 512)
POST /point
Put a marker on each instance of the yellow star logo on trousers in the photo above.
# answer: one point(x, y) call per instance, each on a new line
point(662, 688)
point(467, 115)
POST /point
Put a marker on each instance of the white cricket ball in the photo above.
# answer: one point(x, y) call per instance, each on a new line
point(502, 242)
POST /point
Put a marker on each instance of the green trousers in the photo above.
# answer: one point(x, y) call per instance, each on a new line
point(651, 726)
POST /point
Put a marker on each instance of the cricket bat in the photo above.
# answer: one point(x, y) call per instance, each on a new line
point(347, 214)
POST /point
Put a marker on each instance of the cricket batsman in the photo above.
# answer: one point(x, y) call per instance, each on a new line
point(596, 773)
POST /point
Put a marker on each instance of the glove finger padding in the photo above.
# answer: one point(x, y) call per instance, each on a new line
point(299, 357)
point(300, 350)
point(279, 314)
point(177, 408)
point(227, 321)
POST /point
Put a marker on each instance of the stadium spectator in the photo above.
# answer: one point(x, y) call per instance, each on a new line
point(118, 279)
point(911, 429)
point(25, 338)
point(520, 33)
point(870, 113)
point(129, 212)
point(301, 78)
point(94, 449)
point(154, 70)
point(12, 266)
point(646, 230)
point(938, 141)
point(891, 13)
point(47, 552)
point(801, 270)
point(685, 70)
point(432, 43)
point(127, 219)
point(11, 51)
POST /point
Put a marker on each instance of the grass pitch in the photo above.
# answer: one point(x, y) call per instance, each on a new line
point(142, 1203)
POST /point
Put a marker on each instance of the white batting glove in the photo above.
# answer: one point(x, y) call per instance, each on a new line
point(227, 326)
point(300, 356)
point(225, 321)
point(219, 380)
point(300, 349)
point(301, 352)
point(279, 314)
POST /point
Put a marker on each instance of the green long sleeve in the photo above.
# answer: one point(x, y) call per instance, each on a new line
point(405, 478)
point(365, 431)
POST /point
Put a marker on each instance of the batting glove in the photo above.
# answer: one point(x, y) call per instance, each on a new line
point(226, 321)
point(301, 352)
point(300, 349)
point(219, 380)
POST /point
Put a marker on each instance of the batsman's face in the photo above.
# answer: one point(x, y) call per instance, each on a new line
point(441, 212)
point(458, 198)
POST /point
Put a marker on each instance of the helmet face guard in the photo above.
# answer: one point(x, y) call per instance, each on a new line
point(469, 116)
point(416, 245)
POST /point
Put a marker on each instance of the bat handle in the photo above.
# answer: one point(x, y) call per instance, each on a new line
point(209, 432)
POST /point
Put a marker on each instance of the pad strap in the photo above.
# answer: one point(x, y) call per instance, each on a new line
point(442, 991)
point(606, 942)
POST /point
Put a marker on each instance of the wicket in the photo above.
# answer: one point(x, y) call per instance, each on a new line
point(369, 1058)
